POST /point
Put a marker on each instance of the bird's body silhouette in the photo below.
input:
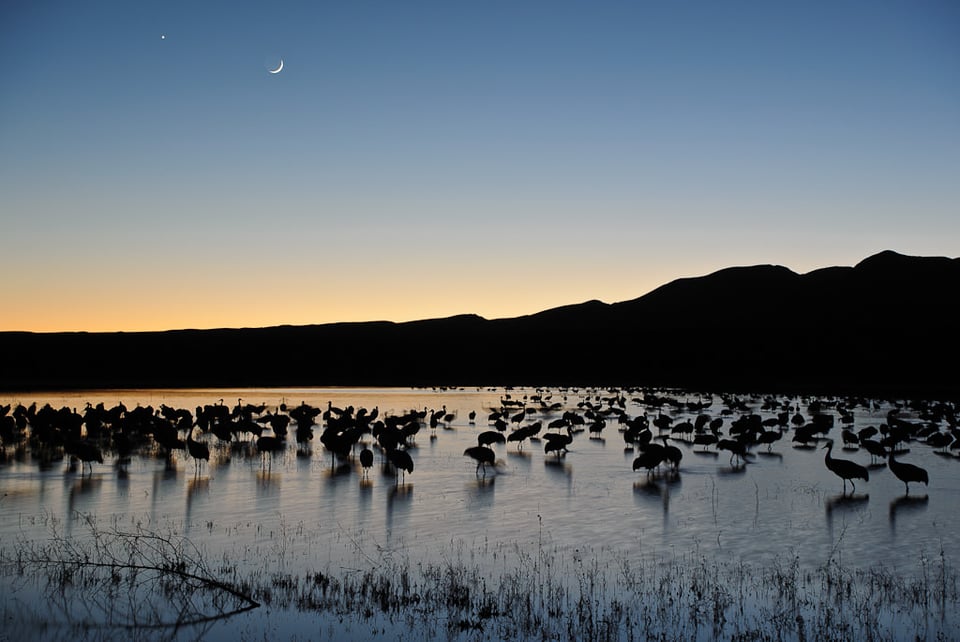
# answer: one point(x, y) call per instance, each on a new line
point(366, 460)
point(267, 445)
point(198, 450)
point(671, 453)
point(87, 452)
point(483, 456)
point(875, 448)
point(907, 472)
point(736, 447)
point(524, 432)
point(649, 459)
point(768, 437)
point(402, 462)
point(706, 440)
point(557, 442)
point(488, 437)
point(844, 468)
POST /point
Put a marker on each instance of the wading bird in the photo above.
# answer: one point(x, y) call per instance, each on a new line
point(557, 442)
point(649, 459)
point(366, 460)
point(488, 437)
point(907, 472)
point(844, 468)
point(198, 450)
point(88, 452)
point(483, 456)
point(402, 462)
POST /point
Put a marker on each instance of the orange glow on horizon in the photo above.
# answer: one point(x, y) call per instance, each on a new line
point(194, 311)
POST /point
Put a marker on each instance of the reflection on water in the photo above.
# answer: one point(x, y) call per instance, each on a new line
point(907, 507)
point(845, 507)
point(771, 455)
point(773, 502)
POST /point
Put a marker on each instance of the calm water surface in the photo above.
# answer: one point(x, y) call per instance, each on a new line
point(307, 512)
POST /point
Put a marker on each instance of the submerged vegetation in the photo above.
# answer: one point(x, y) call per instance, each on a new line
point(114, 583)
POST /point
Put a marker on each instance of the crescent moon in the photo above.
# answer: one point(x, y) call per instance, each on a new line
point(278, 69)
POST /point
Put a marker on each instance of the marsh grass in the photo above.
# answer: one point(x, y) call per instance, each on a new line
point(110, 578)
point(153, 583)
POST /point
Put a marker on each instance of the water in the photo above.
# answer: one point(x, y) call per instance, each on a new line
point(303, 512)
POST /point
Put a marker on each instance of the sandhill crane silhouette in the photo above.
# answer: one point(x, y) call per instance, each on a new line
point(706, 440)
point(736, 447)
point(366, 460)
point(557, 442)
point(87, 452)
point(844, 468)
point(907, 472)
point(198, 450)
point(524, 432)
point(649, 459)
point(671, 453)
point(875, 448)
point(267, 445)
point(768, 437)
point(402, 462)
point(488, 437)
point(483, 456)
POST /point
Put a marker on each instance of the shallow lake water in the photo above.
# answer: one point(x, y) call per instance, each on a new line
point(305, 510)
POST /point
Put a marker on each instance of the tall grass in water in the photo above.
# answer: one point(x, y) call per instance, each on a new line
point(117, 580)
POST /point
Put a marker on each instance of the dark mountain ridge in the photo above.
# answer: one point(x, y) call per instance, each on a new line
point(887, 326)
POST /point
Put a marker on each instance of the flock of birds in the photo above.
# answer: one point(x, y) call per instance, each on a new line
point(553, 419)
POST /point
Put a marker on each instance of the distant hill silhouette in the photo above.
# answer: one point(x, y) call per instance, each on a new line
point(888, 325)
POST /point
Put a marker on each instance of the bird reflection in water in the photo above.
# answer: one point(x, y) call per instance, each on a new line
point(735, 469)
point(399, 493)
point(706, 454)
point(558, 466)
point(82, 491)
point(905, 505)
point(85, 486)
point(366, 491)
point(844, 503)
point(164, 479)
point(398, 503)
point(196, 486)
point(267, 480)
point(481, 486)
point(652, 490)
point(340, 471)
point(771, 455)
point(120, 465)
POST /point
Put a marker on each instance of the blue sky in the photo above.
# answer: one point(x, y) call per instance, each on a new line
point(423, 159)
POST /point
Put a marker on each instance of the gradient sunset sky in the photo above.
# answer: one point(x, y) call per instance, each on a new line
point(425, 159)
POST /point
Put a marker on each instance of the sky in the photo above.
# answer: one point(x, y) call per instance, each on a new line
point(417, 159)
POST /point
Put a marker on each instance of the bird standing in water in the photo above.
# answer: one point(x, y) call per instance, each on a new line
point(483, 456)
point(844, 468)
point(907, 472)
point(198, 450)
point(366, 460)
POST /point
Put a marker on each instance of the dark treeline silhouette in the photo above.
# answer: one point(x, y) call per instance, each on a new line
point(889, 325)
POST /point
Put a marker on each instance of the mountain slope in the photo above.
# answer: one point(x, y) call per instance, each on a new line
point(886, 325)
